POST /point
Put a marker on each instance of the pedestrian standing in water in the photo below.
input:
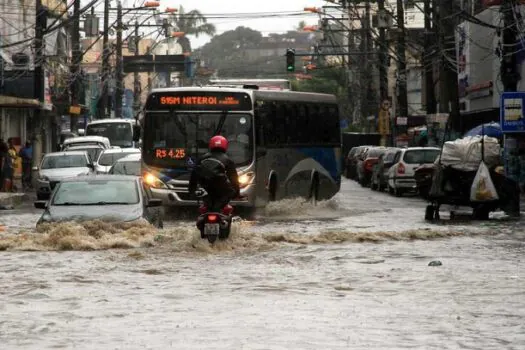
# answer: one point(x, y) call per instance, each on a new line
point(26, 153)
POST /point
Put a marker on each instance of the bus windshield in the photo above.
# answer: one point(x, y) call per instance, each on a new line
point(119, 134)
point(187, 134)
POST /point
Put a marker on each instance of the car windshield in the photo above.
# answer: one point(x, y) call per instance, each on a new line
point(64, 161)
point(420, 156)
point(126, 168)
point(93, 152)
point(107, 159)
point(189, 133)
point(119, 134)
point(96, 192)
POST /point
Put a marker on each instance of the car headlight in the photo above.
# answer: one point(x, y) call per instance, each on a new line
point(246, 179)
point(43, 178)
point(153, 181)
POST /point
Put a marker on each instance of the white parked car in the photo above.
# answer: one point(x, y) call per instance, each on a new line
point(108, 157)
point(401, 174)
point(58, 166)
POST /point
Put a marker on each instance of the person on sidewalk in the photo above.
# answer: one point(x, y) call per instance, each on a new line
point(3, 154)
point(26, 153)
point(8, 167)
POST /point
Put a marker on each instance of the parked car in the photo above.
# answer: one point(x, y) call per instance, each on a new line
point(401, 174)
point(58, 166)
point(351, 161)
point(108, 157)
point(129, 165)
point(92, 150)
point(101, 197)
point(379, 180)
point(365, 165)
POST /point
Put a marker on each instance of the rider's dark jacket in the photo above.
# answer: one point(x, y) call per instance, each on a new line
point(217, 174)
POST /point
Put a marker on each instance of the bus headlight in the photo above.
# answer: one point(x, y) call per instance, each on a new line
point(153, 181)
point(246, 179)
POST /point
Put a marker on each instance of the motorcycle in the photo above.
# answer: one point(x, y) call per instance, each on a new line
point(212, 224)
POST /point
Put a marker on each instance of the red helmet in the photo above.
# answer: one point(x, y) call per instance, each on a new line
point(218, 142)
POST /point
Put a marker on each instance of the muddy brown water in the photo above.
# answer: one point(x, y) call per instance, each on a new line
point(351, 273)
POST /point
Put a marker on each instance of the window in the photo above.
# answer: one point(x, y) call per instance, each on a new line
point(95, 192)
point(65, 161)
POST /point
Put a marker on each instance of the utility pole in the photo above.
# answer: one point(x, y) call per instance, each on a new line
point(105, 63)
point(402, 101)
point(136, 80)
point(383, 53)
point(428, 61)
point(509, 69)
point(38, 81)
point(448, 77)
point(75, 66)
point(119, 86)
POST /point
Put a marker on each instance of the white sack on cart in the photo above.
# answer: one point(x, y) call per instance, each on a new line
point(465, 154)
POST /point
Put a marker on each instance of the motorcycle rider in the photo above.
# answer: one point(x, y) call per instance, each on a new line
point(216, 173)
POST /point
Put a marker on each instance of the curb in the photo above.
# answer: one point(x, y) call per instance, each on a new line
point(13, 200)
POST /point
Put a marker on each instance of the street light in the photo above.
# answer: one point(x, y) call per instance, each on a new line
point(311, 28)
point(177, 34)
point(170, 10)
point(152, 4)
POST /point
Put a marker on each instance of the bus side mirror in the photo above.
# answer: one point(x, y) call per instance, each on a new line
point(261, 152)
point(136, 133)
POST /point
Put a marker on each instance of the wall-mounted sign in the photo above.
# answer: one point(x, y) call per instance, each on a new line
point(512, 111)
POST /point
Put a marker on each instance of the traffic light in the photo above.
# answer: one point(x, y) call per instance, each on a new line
point(290, 60)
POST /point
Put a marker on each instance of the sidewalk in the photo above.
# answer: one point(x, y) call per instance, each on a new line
point(10, 200)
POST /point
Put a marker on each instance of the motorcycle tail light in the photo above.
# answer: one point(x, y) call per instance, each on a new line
point(212, 218)
point(227, 210)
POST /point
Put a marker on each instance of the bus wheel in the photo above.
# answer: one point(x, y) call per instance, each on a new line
point(272, 191)
point(314, 191)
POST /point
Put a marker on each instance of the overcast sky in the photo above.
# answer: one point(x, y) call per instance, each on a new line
point(265, 25)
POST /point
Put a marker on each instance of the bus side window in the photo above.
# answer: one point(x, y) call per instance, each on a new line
point(270, 122)
point(335, 125)
point(302, 124)
point(292, 123)
point(324, 124)
point(314, 121)
point(282, 116)
point(259, 124)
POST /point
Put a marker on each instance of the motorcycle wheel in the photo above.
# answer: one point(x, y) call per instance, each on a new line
point(212, 239)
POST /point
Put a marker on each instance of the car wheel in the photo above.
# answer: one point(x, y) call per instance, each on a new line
point(398, 192)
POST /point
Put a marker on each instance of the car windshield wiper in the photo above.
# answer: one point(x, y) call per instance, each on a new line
point(68, 203)
point(108, 203)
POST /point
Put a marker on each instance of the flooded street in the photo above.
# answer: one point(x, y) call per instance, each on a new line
point(352, 273)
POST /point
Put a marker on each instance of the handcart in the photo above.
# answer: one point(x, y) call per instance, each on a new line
point(454, 173)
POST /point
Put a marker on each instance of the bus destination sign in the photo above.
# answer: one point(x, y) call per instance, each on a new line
point(200, 100)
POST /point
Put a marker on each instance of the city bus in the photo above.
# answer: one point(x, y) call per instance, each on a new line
point(262, 84)
point(120, 132)
point(285, 144)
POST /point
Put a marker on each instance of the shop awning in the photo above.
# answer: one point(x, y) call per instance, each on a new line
point(18, 102)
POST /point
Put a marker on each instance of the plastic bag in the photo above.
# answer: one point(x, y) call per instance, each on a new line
point(483, 189)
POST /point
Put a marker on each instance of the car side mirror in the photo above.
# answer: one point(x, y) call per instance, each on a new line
point(136, 133)
point(40, 204)
point(154, 202)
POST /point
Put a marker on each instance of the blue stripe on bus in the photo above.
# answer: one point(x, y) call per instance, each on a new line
point(324, 156)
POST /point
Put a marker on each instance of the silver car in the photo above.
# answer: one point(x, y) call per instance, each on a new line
point(109, 156)
point(58, 166)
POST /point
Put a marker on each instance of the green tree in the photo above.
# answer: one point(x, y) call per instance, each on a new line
point(191, 23)
point(301, 26)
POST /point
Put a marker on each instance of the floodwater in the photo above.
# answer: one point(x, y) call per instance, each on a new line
point(351, 273)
